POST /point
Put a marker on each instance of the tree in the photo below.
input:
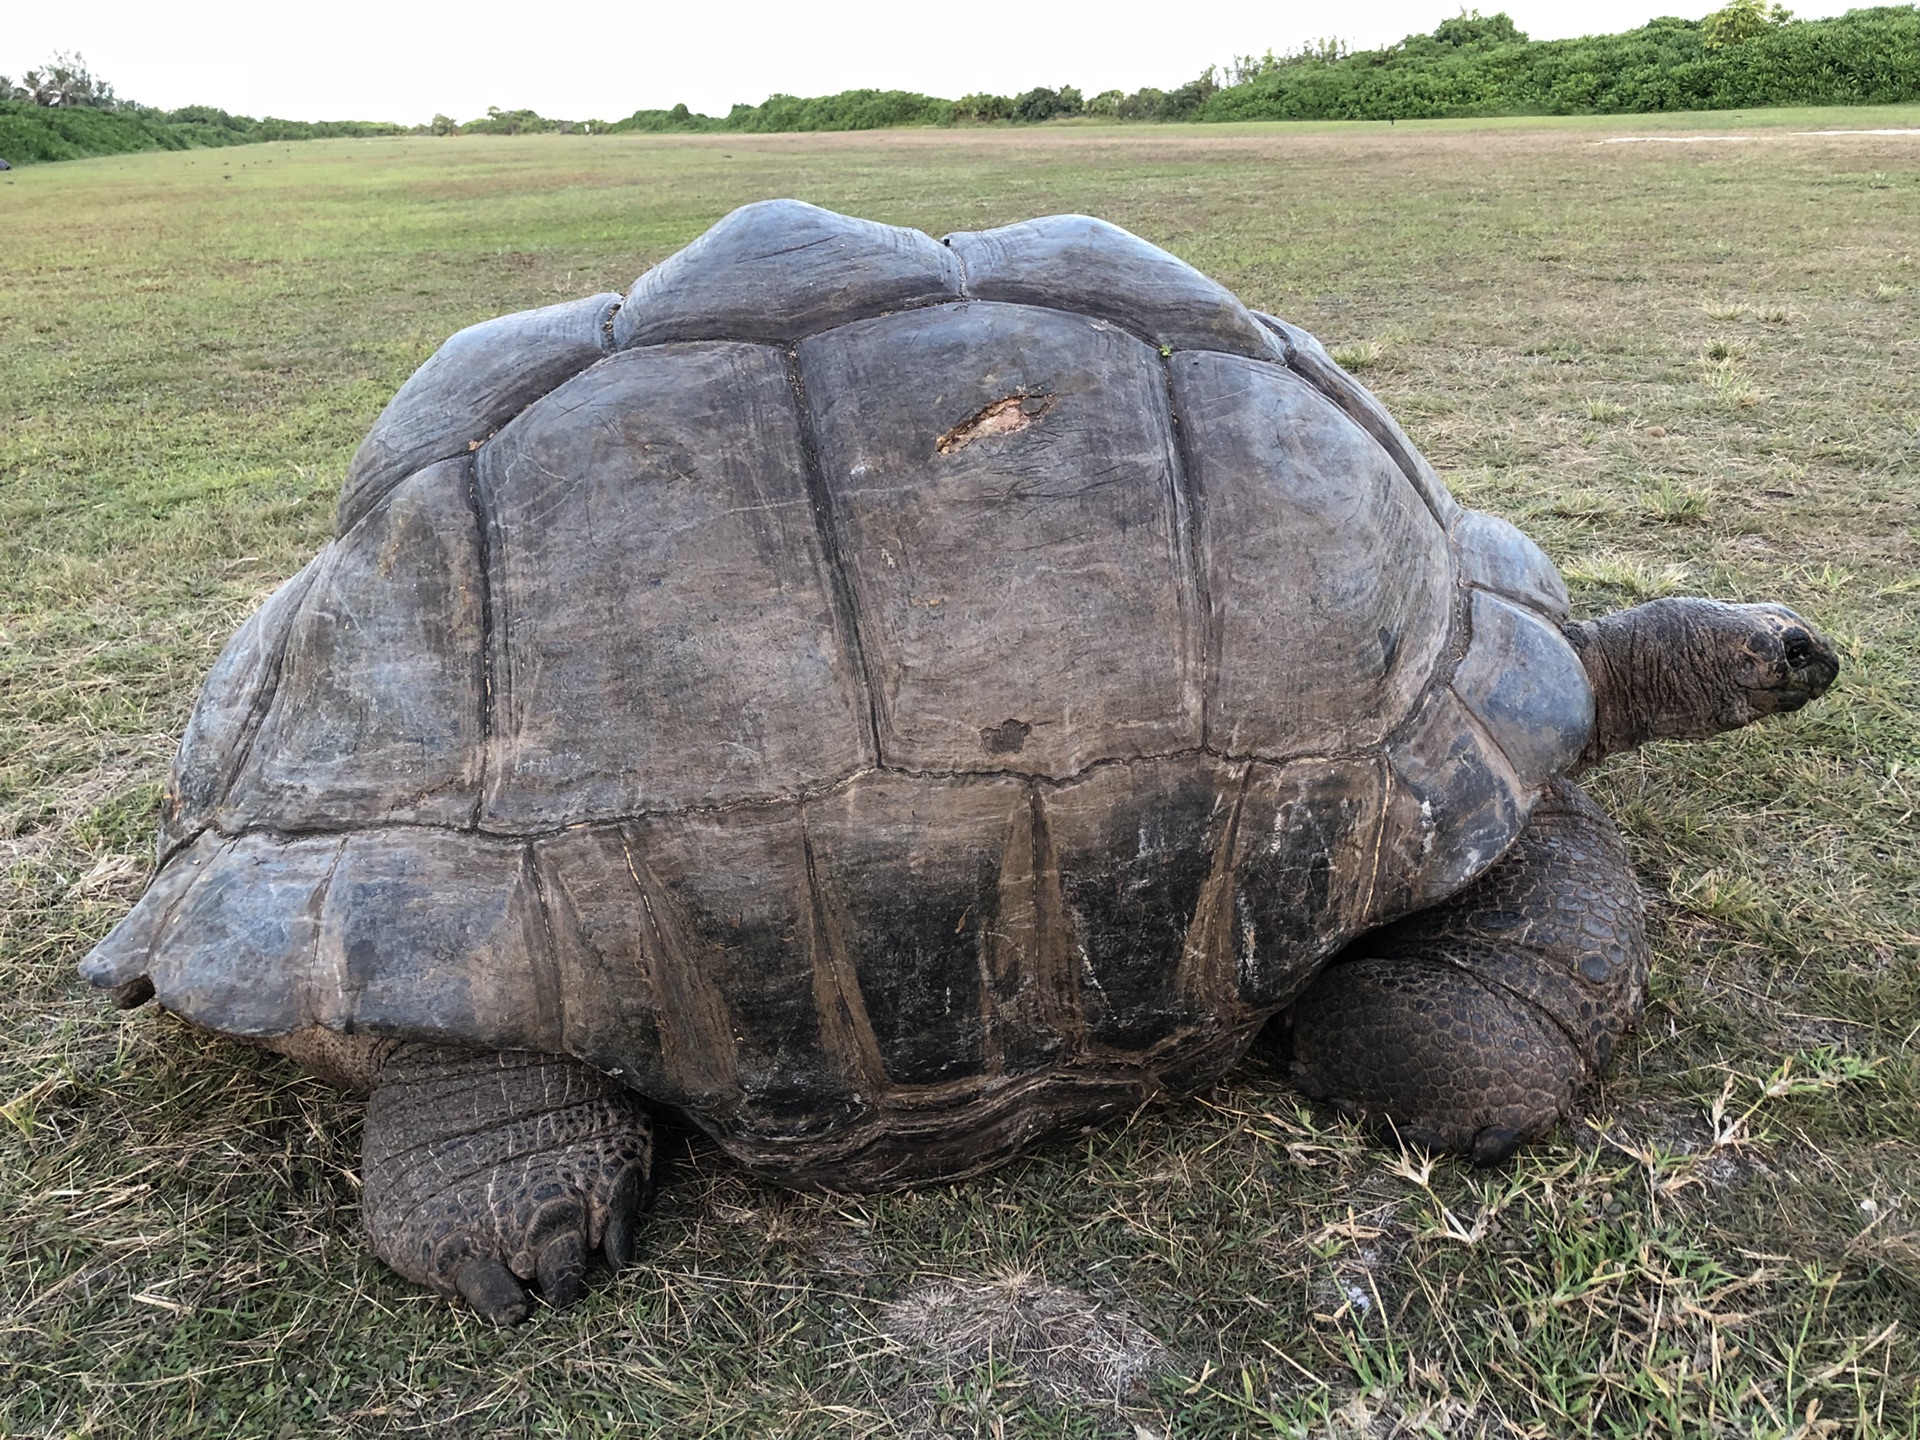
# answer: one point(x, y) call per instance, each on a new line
point(1145, 103)
point(1041, 103)
point(1477, 29)
point(65, 81)
point(983, 107)
point(1740, 21)
point(1190, 96)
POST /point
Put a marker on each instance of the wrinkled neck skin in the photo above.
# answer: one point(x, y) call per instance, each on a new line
point(1612, 649)
point(1684, 669)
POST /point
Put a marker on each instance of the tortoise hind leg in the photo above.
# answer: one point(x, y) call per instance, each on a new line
point(1472, 1025)
point(487, 1169)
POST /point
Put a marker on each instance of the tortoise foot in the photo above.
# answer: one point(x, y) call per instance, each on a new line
point(1431, 1053)
point(1473, 1025)
point(487, 1171)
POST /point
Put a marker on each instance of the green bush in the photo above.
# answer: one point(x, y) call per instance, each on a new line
point(662, 121)
point(1043, 104)
point(1742, 20)
point(512, 122)
point(849, 110)
point(31, 133)
point(983, 107)
point(1745, 55)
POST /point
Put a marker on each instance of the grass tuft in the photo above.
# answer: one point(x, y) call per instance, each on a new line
point(1676, 504)
point(1630, 579)
point(1360, 355)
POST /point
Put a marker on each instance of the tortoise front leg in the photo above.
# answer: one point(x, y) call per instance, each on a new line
point(485, 1169)
point(1472, 1025)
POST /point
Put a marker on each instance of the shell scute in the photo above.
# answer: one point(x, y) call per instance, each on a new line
point(778, 270)
point(915, 896)
point(1524, 684)
point(127, 951)
point(226, 717)
point(1329, 582)
point(377, 715)
point(472, 385)
point(663, 622)
point(1309, 357)
point(1453, 805)
point(433, 932)
point(1075, 262)
point(1305, 855)
point(1024, 600)
point(1495, 556)
point(652, 1021)
point(238, 949)
point(1136, 848)
point(730, 896)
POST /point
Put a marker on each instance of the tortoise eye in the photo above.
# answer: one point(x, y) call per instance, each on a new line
point(1798, 645)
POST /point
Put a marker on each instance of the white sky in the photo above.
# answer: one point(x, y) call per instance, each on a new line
point(583, 59)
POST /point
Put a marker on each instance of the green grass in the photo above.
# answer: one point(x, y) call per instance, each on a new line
point(1681, 367)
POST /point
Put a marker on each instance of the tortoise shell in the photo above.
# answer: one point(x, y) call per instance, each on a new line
point(883, 697)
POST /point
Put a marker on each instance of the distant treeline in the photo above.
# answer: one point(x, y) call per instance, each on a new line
point(63, 111)
point(1747, 54)
point(31, 132)
point(885, 109)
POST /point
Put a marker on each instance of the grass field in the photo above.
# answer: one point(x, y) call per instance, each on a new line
point(1682, 367)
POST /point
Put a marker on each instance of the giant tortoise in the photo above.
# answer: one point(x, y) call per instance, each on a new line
point(882, 700)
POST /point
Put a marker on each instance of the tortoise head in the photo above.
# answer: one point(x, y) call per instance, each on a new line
point(1687, 668)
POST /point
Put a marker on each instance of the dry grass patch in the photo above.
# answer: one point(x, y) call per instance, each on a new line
point(964, 1333)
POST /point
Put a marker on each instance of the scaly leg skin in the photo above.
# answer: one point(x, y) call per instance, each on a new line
point(1472, 1025)
point(487, 1169)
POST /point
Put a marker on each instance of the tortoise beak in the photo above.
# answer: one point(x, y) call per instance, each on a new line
point(1801, 665)
point(1814, 663)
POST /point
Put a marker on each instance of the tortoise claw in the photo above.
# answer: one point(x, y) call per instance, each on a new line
point(491, 1289)
point(562, 1270)
point(1494, 1144)
point(623, 1219)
